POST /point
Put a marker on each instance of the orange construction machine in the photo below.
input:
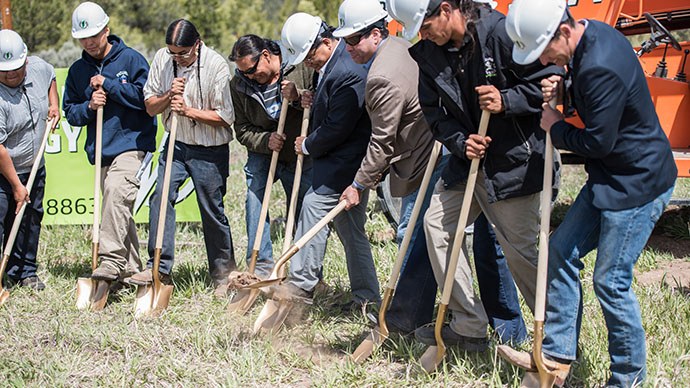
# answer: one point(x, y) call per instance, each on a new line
point(662, 57)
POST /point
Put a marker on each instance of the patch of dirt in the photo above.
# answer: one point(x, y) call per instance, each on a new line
point(678, 248)
point(675, 273)
point(237, 280)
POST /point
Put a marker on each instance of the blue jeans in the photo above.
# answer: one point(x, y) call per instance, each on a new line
point(415, 296)
point(22, 262)
point(256, 171)
point(208, 168)
point(620, 237)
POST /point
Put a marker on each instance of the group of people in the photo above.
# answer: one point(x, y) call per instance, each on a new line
point(377, 105)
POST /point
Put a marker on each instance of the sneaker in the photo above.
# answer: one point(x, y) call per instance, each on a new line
point(33, 282)
point(425, 335)
point(145, 278)
point(105, 271)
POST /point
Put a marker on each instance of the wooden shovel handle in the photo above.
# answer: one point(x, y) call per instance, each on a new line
point(294, 196)
point(95, 228)
point(267, 192)
point(9, 244)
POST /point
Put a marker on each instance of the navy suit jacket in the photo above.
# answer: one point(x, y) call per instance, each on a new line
point(628, 157)
point(340, 125)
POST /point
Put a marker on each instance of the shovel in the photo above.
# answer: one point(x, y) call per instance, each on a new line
point(434, 355)
point(546, 379)
point(243, 299)
point(4, 293)
point(153, 299)
point(91, 292)
point(274, 312)
point(380, 332)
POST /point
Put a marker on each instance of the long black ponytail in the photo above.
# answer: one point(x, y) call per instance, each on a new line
point(182, 33)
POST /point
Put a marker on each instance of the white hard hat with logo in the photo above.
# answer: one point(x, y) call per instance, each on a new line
point(88, 19)
point(12, 51)
point(531, 24)
point(298, 35)
point(411, 13)
point(356, 15)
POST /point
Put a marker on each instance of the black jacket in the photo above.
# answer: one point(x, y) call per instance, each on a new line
point(628, 157)
point(514, 162)
point(339, 122)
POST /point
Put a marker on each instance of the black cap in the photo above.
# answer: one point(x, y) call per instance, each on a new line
point(432, 7)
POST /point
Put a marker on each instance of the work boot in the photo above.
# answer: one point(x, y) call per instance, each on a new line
point(525, 361)
point(105, 271)
point(145, 278)
point(425, 335)
point(33, 282)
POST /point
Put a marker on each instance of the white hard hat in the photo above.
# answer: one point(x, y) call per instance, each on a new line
point(356, 15)
point(531, 24)
point(411, 13)
point(88, 19)
point(12, 51)
point(298, 35)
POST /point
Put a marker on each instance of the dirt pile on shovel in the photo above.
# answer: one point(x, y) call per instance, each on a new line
point(238, 280)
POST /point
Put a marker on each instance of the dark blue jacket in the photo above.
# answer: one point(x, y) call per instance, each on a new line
point(340, 124)
point(628, 157)
point(514, 162)
point(126, 125)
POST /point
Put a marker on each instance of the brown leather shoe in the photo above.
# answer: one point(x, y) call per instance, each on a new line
point(221, 290)
point(145, 278)
point(525, 361)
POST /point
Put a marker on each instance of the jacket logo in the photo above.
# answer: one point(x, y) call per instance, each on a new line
point(83, 24)
point(122, 76)
point(490, 67)
point(7, 55)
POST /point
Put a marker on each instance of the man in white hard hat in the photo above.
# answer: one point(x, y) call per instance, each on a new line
point(465, 67)
point(28, 95)
point(338, 141)
point(631, 175)
point(111, 75)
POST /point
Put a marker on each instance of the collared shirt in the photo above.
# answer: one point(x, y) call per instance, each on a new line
point(23, 111)
point(215, 89)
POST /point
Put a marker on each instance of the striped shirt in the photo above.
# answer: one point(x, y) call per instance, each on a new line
point(215, 89)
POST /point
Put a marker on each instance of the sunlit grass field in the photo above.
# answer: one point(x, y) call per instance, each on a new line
point(46, 342)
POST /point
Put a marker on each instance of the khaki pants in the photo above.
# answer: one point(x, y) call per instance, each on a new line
point(118, 242)
point(516, 223)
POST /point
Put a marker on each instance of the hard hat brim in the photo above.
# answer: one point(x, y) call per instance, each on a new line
point(411, 33)
point(86, 33)
point(13, 64)
point(296, 58)
point(527, 56)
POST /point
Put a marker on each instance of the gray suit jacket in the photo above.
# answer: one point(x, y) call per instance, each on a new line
point(400, 136)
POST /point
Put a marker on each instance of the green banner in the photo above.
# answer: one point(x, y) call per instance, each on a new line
point(70, 177)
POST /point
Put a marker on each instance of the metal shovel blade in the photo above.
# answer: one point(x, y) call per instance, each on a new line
point(85, 288)
point(4, 295)
point(272, 316)
point(432, 358)
point(243, 301)
point(101, 288)
point(144, 301)
point(366, 348)
point(151, 302)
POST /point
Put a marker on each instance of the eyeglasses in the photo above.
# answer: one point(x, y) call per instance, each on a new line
point(183, 54)
point(354, 40)
point(252, 69)
point(312, 51)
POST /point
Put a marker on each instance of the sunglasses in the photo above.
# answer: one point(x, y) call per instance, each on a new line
point(312, 51)
point(183, 54)
point(252, 69)
point(354, 40)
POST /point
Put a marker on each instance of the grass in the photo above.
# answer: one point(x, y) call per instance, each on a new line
point(46, 342)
